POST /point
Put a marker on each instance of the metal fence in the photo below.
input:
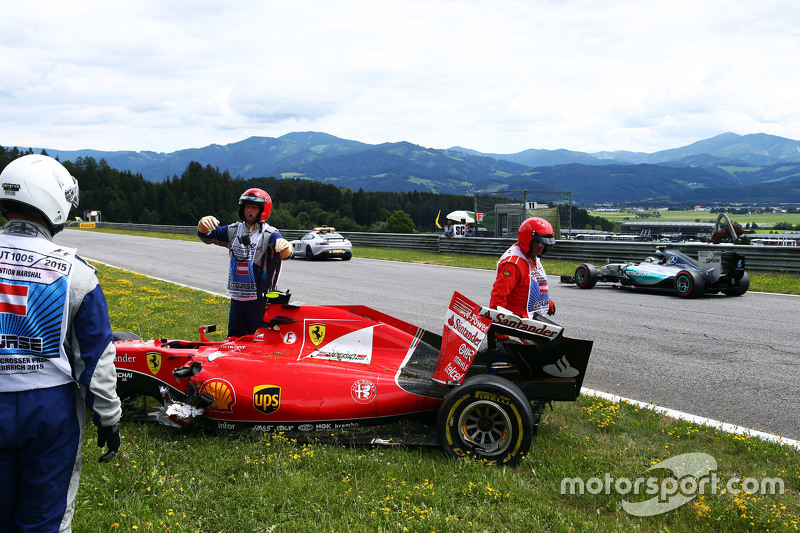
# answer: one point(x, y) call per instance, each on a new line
point(781, 259)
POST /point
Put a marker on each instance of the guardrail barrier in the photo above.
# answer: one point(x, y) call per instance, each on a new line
point(778, 259)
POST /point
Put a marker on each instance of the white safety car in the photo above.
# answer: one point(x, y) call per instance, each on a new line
point(322, 242)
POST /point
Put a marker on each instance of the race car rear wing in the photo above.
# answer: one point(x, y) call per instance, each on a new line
point(466, 327)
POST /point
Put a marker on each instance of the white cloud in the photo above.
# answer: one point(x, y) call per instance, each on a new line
point(494, 76)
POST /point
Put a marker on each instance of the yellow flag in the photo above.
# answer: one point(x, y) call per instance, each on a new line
point(437, 218)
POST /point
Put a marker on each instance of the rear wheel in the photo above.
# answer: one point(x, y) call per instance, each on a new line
point(586, 276)
point(487, 418)
point(689, 284)
point(739, 286)
point(125, 336)
point(308, 255)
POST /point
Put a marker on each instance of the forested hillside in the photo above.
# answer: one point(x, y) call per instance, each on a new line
point(199, 191)
point(297, 203)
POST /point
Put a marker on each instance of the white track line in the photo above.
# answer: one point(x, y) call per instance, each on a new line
point(680, 415)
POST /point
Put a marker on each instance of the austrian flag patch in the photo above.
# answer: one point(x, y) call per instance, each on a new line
point(14, 299)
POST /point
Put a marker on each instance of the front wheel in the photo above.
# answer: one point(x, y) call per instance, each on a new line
point(689, 284)
point(487, 418)
point(586, 276)
point(308, 255)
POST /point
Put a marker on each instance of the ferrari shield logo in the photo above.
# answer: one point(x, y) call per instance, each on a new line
point(154, 362)
point(316, 332)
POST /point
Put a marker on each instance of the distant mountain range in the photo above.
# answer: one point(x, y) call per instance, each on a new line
point(728, 168)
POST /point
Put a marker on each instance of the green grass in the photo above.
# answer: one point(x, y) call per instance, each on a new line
point(169, 480)
point(764, 220)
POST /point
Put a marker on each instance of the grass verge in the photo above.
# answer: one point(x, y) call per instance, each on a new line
point(170, 480)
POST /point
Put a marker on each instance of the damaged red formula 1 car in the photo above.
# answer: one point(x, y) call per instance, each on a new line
point(315, 369)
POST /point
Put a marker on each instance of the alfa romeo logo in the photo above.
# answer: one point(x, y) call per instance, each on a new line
point(363, 391)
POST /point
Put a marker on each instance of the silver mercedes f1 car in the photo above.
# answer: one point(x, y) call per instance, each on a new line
point(670, 270)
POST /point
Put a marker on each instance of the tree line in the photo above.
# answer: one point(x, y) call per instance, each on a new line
point(124, 197)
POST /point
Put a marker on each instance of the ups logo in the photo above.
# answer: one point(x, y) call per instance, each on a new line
point(267, 398)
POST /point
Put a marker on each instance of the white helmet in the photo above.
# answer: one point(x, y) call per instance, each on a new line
point(38, 185)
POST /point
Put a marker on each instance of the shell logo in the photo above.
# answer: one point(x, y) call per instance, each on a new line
point(223, 394)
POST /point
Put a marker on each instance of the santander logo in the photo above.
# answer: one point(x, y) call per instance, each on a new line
point(561, 369)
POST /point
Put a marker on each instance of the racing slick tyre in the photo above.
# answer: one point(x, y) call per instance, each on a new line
point(586, 276)
point(738, 287)
point(486, 418)
point(125, 336)
point(689, 284)
point(309, 255)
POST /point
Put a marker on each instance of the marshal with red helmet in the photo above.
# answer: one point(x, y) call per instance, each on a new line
point(258, 197)
point(256, 250)
point(521, 283)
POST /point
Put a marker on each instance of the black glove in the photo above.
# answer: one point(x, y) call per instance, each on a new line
point(108, 436)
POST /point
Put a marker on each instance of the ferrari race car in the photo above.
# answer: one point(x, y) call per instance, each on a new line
point(323, 242)
point(713, 272)
point(319, 369)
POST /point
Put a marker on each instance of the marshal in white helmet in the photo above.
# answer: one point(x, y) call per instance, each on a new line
point(39, 186)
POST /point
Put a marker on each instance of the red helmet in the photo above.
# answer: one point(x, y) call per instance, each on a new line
point(258, 197)
point(535, 228)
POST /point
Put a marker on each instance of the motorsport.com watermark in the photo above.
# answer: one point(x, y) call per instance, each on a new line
point(694, 474)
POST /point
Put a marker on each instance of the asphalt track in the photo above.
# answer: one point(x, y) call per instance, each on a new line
point(730, 359)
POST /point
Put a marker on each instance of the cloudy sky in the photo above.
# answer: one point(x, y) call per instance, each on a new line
point(496, 76)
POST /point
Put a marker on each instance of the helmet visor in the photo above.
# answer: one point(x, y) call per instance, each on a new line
point(547, 240)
